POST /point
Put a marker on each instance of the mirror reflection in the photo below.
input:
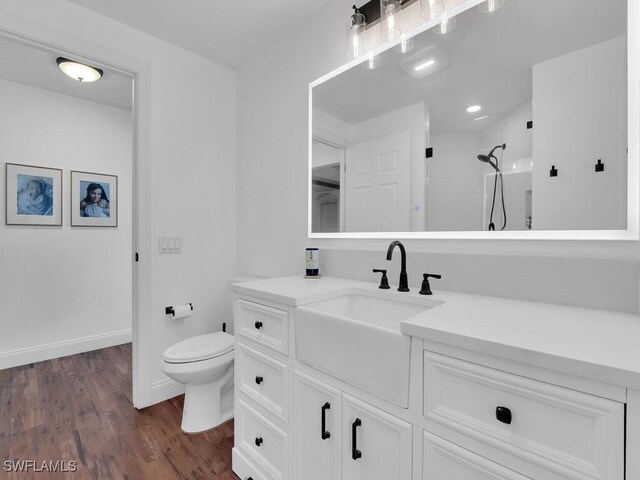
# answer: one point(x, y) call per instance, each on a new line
point(515, 120)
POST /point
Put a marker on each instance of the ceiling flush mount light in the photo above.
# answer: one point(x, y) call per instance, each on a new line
point(390, 19)
point(425, 62)
point(446, 25)
point(490, 6)
point(79, 71)
point(356, 33)
point(482, 118)
point(474, 108)
point(431, 9)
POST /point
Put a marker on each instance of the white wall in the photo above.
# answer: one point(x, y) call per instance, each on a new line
point(579, 117)
point(272, 150)
point(64, 290)
point(188, 137)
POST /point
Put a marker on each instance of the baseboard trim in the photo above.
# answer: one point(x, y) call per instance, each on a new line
point(39, 353)
point(165, 389)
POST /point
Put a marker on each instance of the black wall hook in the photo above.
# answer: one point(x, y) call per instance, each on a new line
point(599, 166)
point(553, 172)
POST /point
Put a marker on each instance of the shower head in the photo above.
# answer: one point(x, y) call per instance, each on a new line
point(487, 159)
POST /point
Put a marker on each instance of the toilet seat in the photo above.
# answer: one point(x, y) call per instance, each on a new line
point(201, 347)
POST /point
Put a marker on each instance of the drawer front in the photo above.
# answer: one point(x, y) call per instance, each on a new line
point(573, 434)
point(266, 325)
point(245, 468)
point(263, 379)
point(261, 440)
point(443, 460)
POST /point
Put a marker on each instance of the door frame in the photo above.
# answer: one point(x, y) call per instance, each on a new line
point(140, 72)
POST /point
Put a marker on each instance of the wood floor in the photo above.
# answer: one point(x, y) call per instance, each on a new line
point(79, 408)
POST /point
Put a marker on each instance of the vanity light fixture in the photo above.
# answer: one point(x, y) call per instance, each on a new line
point(431, 9)
point(474, 108)
point(356, 33)
point(390, 19)
point(405, 45)
point(490, 6)
point(446, 25)
point(79, 71)
point(371, 62)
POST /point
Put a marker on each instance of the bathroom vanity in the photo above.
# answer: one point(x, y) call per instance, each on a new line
point(336, 379)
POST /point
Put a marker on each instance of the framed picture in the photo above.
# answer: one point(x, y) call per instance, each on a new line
point(94, 200)
point(34, 195)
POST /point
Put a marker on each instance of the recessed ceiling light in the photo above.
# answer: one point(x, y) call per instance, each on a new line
point(474, 108)
point(424, 65)
point(482, 118)
point(79, 71)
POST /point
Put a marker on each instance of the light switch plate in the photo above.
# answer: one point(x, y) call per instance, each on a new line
point(169, 244)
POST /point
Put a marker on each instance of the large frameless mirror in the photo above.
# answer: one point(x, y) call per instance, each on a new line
point(514, 121)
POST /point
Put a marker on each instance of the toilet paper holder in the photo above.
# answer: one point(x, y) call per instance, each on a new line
point(171, 311)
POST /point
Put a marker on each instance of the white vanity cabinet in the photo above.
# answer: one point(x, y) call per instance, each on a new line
point(340, 437)
point(261, 450)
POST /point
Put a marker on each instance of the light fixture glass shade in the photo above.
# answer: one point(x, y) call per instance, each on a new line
point(79, 71)
point(446, 25)
point(431, 9)
point(356, 35)
point(372, 61)
point(490, 6)
point(405, 45)
point(390, 19)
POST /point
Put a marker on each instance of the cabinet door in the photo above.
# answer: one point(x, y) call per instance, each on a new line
point(445, 461)
point(317, 413)
point(376, 445)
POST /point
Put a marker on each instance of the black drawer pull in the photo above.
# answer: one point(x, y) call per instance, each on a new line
point(503, 414)
point(259, 380)
point(258, 325)
point(258, 441)
point(248, 478)
point(325, 433)
point(355, 453)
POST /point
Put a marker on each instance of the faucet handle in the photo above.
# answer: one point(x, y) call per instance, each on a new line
point(426, 288)
point(384, 281)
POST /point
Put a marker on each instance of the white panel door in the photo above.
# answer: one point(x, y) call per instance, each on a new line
point(317, 443)
point(375, 445)
point(377, 185)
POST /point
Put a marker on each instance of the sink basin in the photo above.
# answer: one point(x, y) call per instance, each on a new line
point(356, 337)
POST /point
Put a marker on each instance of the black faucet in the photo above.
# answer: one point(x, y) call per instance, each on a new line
point(404, 283)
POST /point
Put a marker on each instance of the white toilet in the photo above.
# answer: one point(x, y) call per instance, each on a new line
point(205, 365)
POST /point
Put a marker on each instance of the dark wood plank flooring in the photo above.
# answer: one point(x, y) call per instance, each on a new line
point(79, 408)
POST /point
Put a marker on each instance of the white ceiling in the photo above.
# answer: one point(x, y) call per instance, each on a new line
point(37, 67)
point(490, 63)
point(229, 32)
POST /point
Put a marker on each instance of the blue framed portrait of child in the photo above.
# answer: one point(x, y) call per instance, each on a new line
point(94, 199)
point(34, 195)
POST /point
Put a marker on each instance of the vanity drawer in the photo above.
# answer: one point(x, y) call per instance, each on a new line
point(443, 460)
point(261, 440)
point(573, 434)
point(265, 325)
point(263, 379)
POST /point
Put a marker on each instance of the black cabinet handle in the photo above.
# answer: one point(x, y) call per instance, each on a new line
point(325, 434)
point(355, 453)
point(258, 325)
point(503, 414)
point(258, 441)
point(248, 478)
point(259, 380)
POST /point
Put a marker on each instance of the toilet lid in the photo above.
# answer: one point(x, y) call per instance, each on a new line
point(199, 348)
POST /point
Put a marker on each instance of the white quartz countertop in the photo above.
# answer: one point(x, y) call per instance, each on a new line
point(595, 344)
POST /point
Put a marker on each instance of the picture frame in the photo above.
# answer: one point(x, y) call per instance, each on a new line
point(33, 195)
point(94, 199)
